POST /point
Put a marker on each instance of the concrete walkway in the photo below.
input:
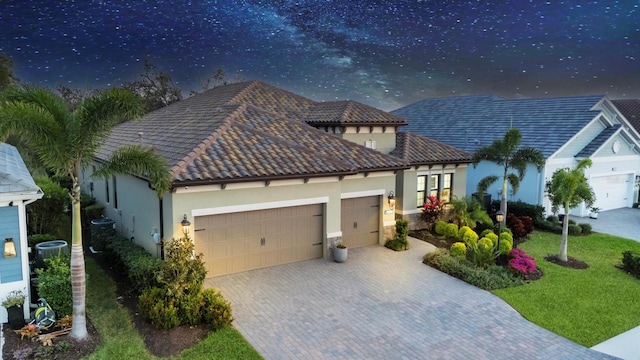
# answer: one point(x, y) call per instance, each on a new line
point(381, 304)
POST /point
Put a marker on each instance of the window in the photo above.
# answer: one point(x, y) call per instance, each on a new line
point(447, 180)
point(422, 183)
point(106, 189)
point(371, 144)
point(115, 192)
point(434, 185)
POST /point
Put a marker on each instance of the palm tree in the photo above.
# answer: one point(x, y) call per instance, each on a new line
point(568, 188)
point(66, 142)
point(504, 152)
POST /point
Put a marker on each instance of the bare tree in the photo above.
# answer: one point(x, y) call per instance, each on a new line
point(155, 87)
point(218, 78)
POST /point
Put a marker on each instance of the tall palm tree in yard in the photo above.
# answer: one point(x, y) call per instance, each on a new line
point(66, 142)
point(568, 188)
point(505, 153)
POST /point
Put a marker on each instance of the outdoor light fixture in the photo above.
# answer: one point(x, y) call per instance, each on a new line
point(391, 199)
point(185, 225)
point(499, 218)
point(9, 248)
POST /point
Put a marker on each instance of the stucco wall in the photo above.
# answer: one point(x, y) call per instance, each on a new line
point(531, 187)
point(385, 141)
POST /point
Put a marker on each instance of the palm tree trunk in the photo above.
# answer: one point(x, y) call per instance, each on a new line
point(78, 277)
point(503, 199)
point(565, 235)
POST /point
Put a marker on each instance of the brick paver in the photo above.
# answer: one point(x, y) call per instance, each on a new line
point(381, 304)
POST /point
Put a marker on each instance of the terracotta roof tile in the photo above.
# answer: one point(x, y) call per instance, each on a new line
point(630, 108)
point(419, 150)
point(350, 113)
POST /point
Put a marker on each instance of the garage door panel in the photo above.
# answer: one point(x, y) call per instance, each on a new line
point(235, 244)
point(360, 221)
point(612, 192)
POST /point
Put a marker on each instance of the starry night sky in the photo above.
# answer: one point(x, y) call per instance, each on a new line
point(383, 53)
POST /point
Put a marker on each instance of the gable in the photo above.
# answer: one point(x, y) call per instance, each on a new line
point(15, 178)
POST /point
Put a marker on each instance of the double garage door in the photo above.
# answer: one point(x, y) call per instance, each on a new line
point(612, 192)
point(249, 240)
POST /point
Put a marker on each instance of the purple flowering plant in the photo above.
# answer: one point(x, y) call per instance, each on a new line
point(522, 262)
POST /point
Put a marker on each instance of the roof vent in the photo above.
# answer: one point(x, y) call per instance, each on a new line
point(141, 137)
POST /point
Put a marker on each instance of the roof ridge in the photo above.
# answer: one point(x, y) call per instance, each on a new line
point(406, 144)
point(201, 147)
point(251, 84)
point(347, 111)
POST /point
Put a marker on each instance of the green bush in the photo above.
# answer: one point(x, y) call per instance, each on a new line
point(182, 272)
point(586, 228)
point(54, 284)
point(459, 249)
point(159, 309)
point(572, 222)
point(46, 213)
point(574, 229)
point(451, 230)
point(91, 212)
point(140, 267)
point(216, 311)
point(470, 238)
point(190, 308)
point(521, 208)
point(440, 227)
point(462, 231)
point(400, 241)
point(631, 263)
point(553, 218)
point(491, 278)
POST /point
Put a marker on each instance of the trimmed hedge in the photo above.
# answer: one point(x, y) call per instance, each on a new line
point(135, 262)
point(631, 263)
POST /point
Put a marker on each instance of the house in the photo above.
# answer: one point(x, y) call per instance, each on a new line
point(262, 176)
point(565, 130)
point(17, 190)
point(630, 110)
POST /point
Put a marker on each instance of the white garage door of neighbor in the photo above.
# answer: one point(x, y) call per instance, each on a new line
point(360, 221)
point(249, 240)
point(612, 192)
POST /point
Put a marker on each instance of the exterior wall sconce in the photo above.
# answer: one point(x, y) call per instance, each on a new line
point(391, 199)
point(185, 225)
point(9, 248)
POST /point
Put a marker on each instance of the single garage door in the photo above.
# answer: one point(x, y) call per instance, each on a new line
point(249, 240)
point(612, 192)
point(361, 221)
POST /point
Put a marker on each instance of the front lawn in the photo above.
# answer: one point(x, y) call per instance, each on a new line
point(586, 306)
point(119, 339)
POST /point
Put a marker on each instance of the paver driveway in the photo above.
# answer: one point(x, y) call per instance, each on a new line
point(381, 304)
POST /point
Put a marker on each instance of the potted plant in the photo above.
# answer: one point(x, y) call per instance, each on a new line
point(593, 212)
point(340, 252)
point(14, 303)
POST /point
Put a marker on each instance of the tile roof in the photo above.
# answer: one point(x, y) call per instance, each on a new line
point(239, 133)
point(598, 141)
point(338, 113)
point(630, 109)
point(419, 150)
point(470, 122)
point(14, 175)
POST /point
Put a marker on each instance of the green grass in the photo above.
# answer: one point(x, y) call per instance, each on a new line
point(120, 340)
point(587, 306)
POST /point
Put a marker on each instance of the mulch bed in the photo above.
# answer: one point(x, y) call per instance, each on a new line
point(160, 343)
point(570, 263)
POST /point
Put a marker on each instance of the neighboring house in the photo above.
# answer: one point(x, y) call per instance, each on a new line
point(564, 129)
point(259, 185)
point(630, 109)
point(17, 190)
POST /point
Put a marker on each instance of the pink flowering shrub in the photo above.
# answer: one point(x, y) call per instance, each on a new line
point(432, 209)
point(521, 262)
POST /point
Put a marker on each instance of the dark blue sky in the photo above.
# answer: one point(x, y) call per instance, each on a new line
point(383, 53)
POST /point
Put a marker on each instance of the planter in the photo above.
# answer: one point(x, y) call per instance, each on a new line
point(593, 215)
point(340, 255)
point(16, 317)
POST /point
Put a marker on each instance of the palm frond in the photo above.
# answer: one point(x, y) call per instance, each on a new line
point(514, 181)
point(141, 161)
point(484, 184)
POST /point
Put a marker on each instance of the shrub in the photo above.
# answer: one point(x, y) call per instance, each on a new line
point(631, 263)
point(182, 271)
point(468, 211)
point(459, 249)
point(91, 212)
point(586, 228)
point(54, 284)
point(521, 208)
point(46, 213)
point(462, 231)
point(553, 218)
point(216, 311)
point(400, 241)
point(190, 308)
point(521, 263)
point(574, 229)
point(483, 253)
point(451, 230)
point(470, 238)
point(432, 209)
point(505, 247)
point(491, 278)
point(139, 266)
point(440, 227)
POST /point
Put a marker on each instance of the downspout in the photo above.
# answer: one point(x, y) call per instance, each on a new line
point(161, 211)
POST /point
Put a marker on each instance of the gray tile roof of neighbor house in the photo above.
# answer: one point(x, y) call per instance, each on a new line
point(245, 132)
point(471, 122)
point(598, 141)
point(14, 175)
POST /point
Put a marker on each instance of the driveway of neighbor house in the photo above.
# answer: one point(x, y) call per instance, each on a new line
point(381, 304)
point(623, 222)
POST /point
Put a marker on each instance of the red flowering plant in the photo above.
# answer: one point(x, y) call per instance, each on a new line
point(521, 262)
point(432, 209)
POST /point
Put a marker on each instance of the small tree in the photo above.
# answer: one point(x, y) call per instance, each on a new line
point(505, 152)
point(568, 188)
